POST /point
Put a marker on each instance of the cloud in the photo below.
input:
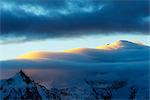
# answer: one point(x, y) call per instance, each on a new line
point(34, 20)
point(128, 61)
point(126, 54)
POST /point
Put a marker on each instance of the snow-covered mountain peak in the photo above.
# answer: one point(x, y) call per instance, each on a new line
point(22, 77)
point(118, 45)
point(21, 87)
point(126, 43)
point(121, 44)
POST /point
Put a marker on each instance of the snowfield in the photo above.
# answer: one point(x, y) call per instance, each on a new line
point(114, 71)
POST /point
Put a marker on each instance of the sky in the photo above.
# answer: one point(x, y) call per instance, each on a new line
point(56, 25)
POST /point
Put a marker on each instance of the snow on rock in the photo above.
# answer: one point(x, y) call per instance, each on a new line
point(22, 87)
point(115, 71)
point(121, 44)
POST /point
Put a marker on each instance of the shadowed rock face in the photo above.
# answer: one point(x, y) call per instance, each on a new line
point(25, 78)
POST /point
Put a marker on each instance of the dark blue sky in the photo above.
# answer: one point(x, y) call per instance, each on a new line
point(28, 20)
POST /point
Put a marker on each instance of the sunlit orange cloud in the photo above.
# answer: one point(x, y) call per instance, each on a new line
point(34, 55)
point(48, 55)
point(40, 55)
point(75, 50)
point(111, 46)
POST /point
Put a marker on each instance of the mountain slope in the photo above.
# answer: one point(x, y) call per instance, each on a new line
point(122, 44)
point(120, 52)
point(122, 71)
point(22, 87)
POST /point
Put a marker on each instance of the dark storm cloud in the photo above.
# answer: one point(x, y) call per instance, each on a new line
point(41, 19)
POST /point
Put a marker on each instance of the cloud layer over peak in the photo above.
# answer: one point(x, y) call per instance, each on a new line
point(33, 20)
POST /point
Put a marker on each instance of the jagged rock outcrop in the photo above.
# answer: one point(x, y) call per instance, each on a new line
point(21, 87)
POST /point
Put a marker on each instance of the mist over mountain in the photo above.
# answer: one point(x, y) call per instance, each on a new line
point(116, 70)
point(118, 53)
point(22, 87)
